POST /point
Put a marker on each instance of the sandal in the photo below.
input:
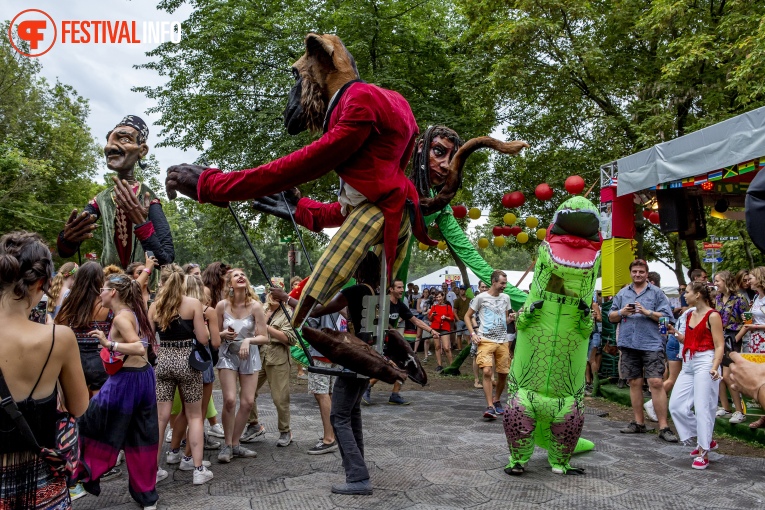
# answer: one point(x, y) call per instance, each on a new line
point(477, 385)
point(516, 470)
point(758, 424)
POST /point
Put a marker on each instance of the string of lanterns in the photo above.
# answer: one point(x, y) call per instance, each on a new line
point(574, 185)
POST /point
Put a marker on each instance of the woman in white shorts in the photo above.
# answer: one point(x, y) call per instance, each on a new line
point(243, 329)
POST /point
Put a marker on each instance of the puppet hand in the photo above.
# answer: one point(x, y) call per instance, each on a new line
point(184, 179)
point(79, 227)
point(277, 206)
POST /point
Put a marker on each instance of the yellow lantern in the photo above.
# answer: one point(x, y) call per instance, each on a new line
point(441, 245)
point(522, 237)
point(423, 246)
point(532, 222)
point(474, 213)
point(483, 243)
point(541, 233)
point(510, 218)
point(499, 241)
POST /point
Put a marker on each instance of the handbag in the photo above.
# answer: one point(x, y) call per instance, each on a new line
point(199, 358)
point(112, 362)
point(64, 458)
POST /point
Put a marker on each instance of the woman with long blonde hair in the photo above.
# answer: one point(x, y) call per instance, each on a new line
point(60, 286)
point(243, 325)
point(179, 320)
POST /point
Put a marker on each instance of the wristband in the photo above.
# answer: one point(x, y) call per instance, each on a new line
point(116, 346)
point(147, 270)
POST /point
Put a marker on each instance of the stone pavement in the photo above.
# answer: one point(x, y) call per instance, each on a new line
point(438, 453)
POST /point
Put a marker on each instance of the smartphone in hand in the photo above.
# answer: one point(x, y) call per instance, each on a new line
point(150, 254)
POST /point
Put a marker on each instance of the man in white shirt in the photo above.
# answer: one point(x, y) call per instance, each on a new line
point(493, 309)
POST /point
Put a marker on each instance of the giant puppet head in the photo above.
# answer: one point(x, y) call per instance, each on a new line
point(323, 69)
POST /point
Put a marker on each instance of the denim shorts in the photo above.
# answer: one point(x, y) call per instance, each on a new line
point(594, 343)
point(673, 349)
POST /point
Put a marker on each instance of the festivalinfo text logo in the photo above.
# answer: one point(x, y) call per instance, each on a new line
point(33, 32)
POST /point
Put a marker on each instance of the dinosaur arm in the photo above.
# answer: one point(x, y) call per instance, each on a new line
point(467, 253)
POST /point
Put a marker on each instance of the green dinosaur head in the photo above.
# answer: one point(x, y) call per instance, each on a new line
point(569, 258)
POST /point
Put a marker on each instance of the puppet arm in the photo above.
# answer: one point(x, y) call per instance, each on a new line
point(307, 164)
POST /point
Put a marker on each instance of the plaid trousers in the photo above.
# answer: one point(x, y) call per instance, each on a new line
point(362, 229)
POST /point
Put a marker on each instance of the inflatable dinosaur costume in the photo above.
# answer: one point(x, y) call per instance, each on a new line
point(546, 381)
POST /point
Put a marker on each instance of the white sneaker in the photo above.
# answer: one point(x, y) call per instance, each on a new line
point(120, 457)
point(161, 474)
point(173, 457)
point(216, 431)
point(722, 412)
point(737, 417)
point(187, 464)
point(169, 435)
point(241, 451)
point(649, 410)
point(203, 475)
point(152, 507)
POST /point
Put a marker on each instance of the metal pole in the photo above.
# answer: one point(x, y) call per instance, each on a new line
point(297, 231)
point(268, 277)
point(382, 313)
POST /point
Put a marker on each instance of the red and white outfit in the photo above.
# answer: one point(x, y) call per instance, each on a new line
point(437, 323)
point(694, 387)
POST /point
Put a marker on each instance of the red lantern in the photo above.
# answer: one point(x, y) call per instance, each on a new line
point(459, 211)
point(497, 231)
point(507, 230)
point(574, 184)
point(654, 218)
point(513, 200)
point(515, 230)
point(646, 213)
point(544, 191)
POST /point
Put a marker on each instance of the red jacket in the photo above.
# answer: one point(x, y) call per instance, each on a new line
point(436, 311)
point(368, 143)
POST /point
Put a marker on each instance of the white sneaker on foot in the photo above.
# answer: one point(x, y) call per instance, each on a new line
point(169, 435)
point(173, 457)
point(722, 412)
point(649, 410)
point(737, 417)
point(203, 475)
point(187, 464)
point(161, 474)
point(216, 431)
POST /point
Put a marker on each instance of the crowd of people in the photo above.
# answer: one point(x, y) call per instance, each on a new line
point(141, 346)
point(682, 350)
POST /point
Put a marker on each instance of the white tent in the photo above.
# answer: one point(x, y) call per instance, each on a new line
point(669, 282)
point(438, 277)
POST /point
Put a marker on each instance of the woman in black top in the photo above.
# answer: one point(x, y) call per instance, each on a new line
point(33, 358)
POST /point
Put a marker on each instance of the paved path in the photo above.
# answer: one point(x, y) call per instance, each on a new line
point(437, 453)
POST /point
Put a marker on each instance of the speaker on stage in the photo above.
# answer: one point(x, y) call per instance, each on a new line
point(682, 212)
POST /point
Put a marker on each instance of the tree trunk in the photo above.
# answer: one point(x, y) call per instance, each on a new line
point(461, 265)
point(678, 251)
point(745, 240)
point(693, 254)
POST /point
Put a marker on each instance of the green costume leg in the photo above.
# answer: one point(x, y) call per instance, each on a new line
point(520, 427)
point(564, 433)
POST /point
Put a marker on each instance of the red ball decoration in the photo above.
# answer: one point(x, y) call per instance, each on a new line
point(654, 218)
point(459, 211)
point(513, 200)
point(574, 184)
point(646, 213)
point(544, 191)
point(515, 230)
point(507, 230)
point(497, 231)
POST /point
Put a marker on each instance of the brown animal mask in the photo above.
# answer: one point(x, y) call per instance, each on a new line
point(354, 354)
point(324, 68)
